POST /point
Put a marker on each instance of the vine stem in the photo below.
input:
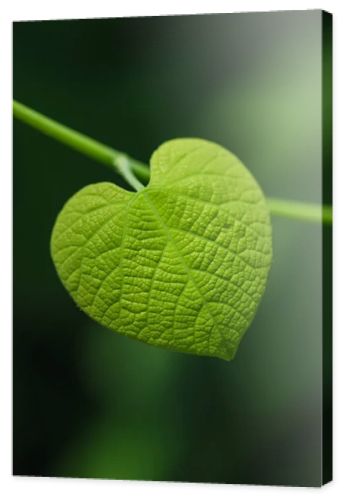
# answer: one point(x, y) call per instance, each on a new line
point(299, 210)
point(120, 162)
point(132, 170)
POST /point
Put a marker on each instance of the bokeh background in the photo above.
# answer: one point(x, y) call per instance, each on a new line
point(90, 403)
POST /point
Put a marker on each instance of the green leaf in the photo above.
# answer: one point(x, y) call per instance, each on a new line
point(181, 264)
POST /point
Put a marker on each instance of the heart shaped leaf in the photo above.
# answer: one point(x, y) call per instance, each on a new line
point(181, 264)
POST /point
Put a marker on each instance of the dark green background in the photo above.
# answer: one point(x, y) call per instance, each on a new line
point(90, 403)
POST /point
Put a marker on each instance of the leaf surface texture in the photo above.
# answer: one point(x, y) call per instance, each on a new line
point(181, 264)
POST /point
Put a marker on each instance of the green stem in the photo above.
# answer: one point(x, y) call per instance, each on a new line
point(127, 167)
point(304, 211)
point(111, 157)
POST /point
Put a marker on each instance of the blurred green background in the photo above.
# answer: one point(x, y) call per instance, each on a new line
point(89, 403)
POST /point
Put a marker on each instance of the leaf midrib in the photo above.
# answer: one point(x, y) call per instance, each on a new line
point(170, 238)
